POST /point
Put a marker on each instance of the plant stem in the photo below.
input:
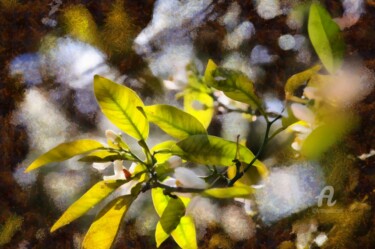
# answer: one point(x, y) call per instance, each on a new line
point(266, 139)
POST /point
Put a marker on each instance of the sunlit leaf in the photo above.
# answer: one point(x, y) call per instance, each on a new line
point(325, 37)
point(174, 121)
point(230, 192)
point(299, 79)
point(210, 68)
point(100, 156)
point(235, 85)
point(172, 215)
point(159, 200)
point(211, 150)
point(92, 197)
point(160, 235)
point(185, 234)
point(65, 151)
point(164, 148)
point(119, 104)
point(103, 230)
point(200, 105)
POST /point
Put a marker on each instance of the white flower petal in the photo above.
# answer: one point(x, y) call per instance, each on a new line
point(188, 178)
point(127, 187)
point(101, 166)
point(302, 112)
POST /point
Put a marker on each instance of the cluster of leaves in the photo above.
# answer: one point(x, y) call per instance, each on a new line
point(191, 142)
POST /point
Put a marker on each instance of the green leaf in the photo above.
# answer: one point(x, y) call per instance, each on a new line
point(210, 68)
point(103, 230)
point(299, 79)
point(65, 151)
point(230, 192)
point(164, 149)
point(101, 156)
point(325, 37)
point(236, 86)
point(200, 105)
point(185, 234)
point(159, 200)
point(174, 121)
point(92, 197)
point(160, 235)
point(119, 104)
point(172, 215)
point(211, 150)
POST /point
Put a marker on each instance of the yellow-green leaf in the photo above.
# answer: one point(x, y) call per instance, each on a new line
point(164, 149)
point(325, 37)
point(65, 151)
point(211, 150)
point(210, 68)
point(172, 215)
point(105, 156)
point(299, 79)
point(160, 200)
point(231, 192)
point(235, 85)
point(119, 104)
point(92, 197)
point(174, 121)
point(185, 234)
point(103, 230)
point(200, 105)
point(160, 235)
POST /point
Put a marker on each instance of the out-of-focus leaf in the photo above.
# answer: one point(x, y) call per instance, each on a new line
point(200, 105)
point(65, 151)
point(210, 68)
point(290, 119)
point(326, 135)
point(325, 37)
point(160, 235)
point(119, 104)
point(103, 230)
point(211, 150)
point(174, 121)
point(92, 197)
point(231, 192)
point(252, 176)
point(185, 234)
point(165, 147)
point(299, 79)
point(235, 85)
point(172, 215)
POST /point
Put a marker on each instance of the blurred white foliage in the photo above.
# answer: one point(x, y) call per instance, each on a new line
point(231, 18)
point(239, 35)
point(289, 190)
point(63, 188)
point(261, 55)
point(28, 66)
point(26, 180)
point(204, 212)
point(268, 9)
point(286, 42)
point(46, 125)
point(166, 42)
point(236, 223)
point(353, 9)
point(74, 63)
point(234, 124)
